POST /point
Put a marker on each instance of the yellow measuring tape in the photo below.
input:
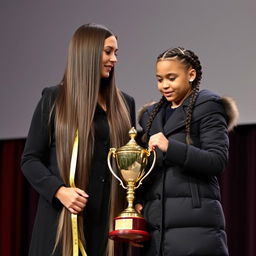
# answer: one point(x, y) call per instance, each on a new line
point(77, 244)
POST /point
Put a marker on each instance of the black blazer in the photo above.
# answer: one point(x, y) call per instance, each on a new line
point(39, 165)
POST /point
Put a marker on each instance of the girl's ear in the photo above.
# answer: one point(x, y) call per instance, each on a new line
point(191, 74)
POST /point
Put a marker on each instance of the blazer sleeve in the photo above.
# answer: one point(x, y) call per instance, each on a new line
point(37, 150)
point(212, 155)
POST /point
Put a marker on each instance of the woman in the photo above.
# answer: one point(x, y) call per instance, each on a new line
point(189, 130)
point(87, 102)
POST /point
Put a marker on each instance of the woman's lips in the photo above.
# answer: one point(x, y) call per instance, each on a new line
point(108, 68)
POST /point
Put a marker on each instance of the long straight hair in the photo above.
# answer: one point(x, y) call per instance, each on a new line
point(75, 108)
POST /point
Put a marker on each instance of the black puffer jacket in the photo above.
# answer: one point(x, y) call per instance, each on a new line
point(181, 197)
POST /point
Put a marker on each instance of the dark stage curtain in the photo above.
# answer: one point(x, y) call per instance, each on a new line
point(238, 187)
point(18, 201)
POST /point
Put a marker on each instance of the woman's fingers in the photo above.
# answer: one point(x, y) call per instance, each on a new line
point(78, 204)
point(81, 192)
point(77, 198)
point(75, 209)
point(74, 199)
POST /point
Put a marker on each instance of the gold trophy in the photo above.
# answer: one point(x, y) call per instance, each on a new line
point(130, 161)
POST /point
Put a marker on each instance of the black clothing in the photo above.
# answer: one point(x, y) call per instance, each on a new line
point(39, 165)
point(168, 112)
point(96, 215)
point(181, 197)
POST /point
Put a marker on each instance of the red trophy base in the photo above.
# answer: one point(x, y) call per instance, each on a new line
point(128, 229)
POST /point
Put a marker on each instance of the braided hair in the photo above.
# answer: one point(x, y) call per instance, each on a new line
point(190, 60)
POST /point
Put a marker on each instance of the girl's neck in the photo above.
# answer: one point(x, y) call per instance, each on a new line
point(176, 105)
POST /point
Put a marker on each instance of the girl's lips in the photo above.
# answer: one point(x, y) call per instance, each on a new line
point(168, 94)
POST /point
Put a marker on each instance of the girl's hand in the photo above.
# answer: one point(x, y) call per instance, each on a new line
point(138, 208)
point(74, 199)
point(136, 244)
point(158, 140)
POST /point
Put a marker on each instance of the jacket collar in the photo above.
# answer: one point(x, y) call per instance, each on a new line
point(177, 121)
point(178, 117)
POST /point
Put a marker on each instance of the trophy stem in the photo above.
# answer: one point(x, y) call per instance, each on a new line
point(130, 211)
point(130, 195)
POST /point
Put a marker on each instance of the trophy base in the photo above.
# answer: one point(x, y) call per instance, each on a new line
point(129, 229)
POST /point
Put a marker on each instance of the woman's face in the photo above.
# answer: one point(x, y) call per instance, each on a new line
point(173, 80)
point(109, 58)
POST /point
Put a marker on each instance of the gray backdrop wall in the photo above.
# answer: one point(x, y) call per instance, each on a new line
point(34, 37)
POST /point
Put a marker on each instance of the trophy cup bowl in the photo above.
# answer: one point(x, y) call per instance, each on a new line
point(131, 169)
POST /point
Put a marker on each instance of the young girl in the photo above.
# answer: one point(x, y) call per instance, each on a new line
point(87, 103)
point(189, 130)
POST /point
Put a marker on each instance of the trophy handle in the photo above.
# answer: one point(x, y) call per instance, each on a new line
point(113, 151)
point(151, 168)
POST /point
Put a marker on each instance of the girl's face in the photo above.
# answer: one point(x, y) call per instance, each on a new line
point(108, 56)
point(173, 80)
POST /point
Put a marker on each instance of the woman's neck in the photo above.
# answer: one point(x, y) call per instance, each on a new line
point(102, 102)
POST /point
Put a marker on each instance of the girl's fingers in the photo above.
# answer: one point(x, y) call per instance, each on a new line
point(138, 208)
point(136, 244)
point(158, 141)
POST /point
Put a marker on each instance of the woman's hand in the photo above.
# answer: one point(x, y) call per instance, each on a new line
point(158, 140)
point(74, 199)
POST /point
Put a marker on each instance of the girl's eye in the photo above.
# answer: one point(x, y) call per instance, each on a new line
point(159, 80)
point(172, 78)
point(107, 52)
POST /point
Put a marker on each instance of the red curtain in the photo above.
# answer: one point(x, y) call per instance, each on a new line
point(18, 201)
point(238, 187)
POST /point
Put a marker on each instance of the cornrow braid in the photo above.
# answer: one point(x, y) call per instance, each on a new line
point(189, 113)
point(191, 60)
point(145, 137)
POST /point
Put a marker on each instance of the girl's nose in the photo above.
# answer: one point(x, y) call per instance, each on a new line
point(166, 85)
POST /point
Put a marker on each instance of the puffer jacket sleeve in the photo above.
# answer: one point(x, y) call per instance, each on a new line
point(37, 150)
point(211, 156)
